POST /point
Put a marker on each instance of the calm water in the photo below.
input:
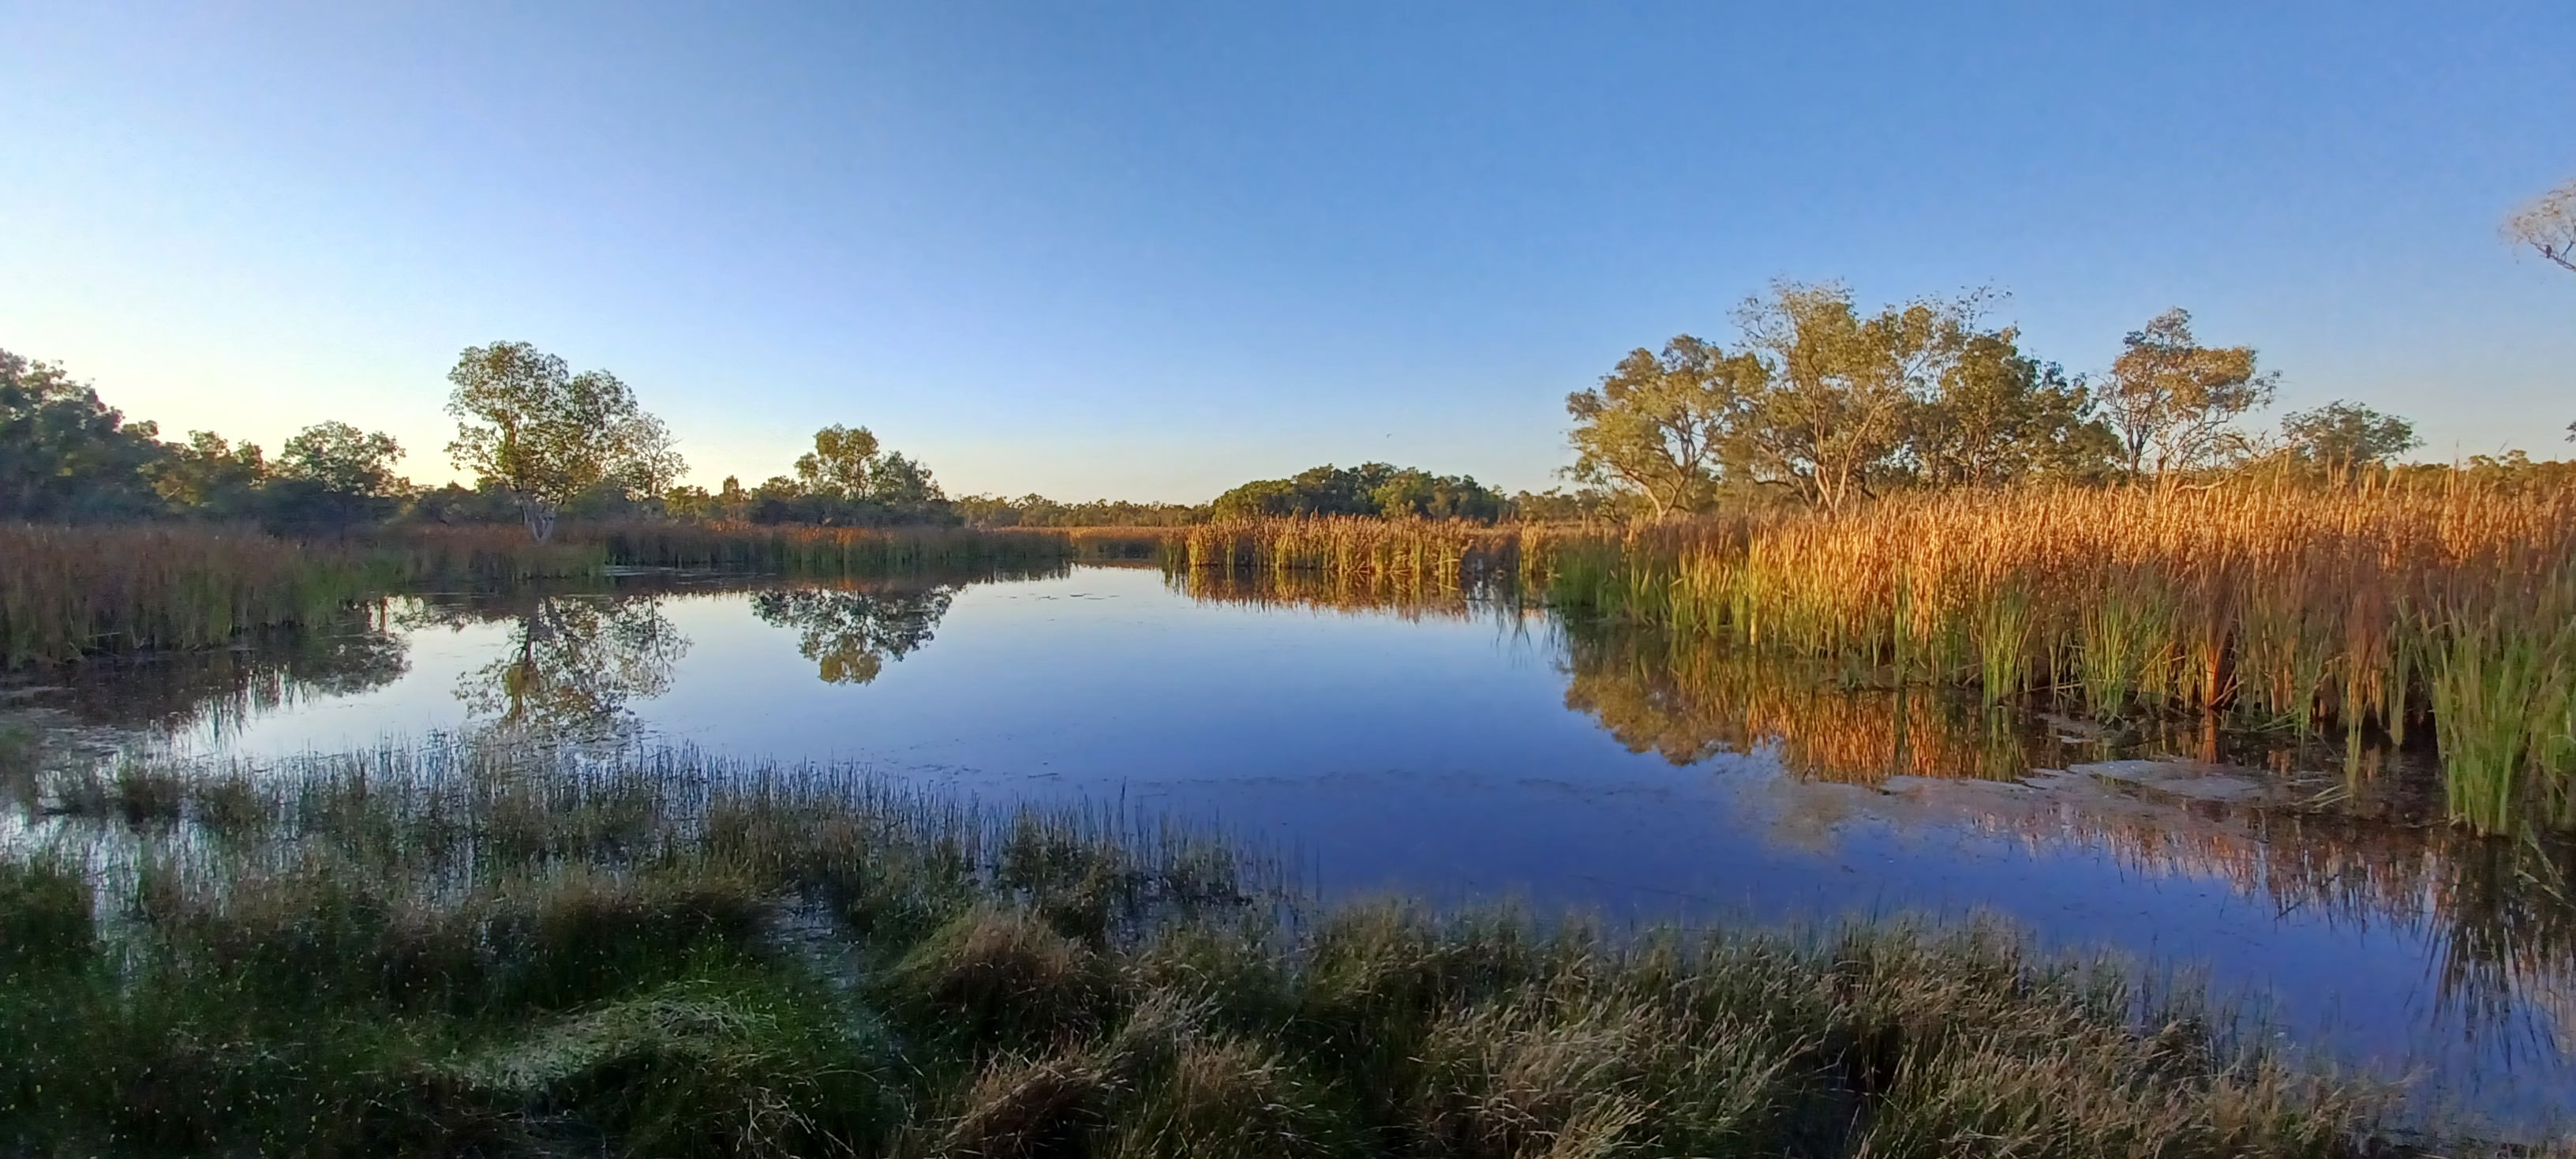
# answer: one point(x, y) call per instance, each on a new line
point(1464, 750)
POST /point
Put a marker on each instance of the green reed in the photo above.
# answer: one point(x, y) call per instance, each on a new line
point(504, 951)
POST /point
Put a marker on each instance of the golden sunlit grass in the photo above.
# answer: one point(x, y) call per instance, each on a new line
point(809, 550)
point(2363, 607)
point(1438, 551)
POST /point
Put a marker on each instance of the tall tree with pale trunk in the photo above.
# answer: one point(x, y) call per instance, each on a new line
point(527, 423)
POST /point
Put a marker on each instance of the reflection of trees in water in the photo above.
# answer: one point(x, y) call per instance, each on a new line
point(1411, 596)
point(850, 633)
point(176, 691)
point(1691, 701)
point(574, 662)
point(2498, 912)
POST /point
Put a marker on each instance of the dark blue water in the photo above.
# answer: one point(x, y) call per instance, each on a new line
point(1436, 753)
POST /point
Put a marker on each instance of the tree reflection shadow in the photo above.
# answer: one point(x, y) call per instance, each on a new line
point(850, 633)
point(572, 664)
point(219, 689)
point(2496, 913)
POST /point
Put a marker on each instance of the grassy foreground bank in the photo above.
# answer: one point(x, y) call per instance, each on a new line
point(493, 950)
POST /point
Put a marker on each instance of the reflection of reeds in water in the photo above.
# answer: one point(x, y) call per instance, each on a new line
point(221, 688)
point(2498, 911)
point(1410, 595)
point(1689, 701)
point(2363, 607)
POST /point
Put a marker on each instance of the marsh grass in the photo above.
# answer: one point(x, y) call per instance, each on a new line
point(2371, 607)
point(473, 948)
point(1432, 552)
point(825, 551)
point(66, 592)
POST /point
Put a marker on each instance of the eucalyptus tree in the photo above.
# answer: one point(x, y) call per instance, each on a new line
point(2175, 402)
point(332, 475)
point(1661, 424)
point(336, 456)
point(1998, 416)
point(1841, 389)
point(527, 424)
point(2343, 436)
point(2548, 226)
point(841, 463)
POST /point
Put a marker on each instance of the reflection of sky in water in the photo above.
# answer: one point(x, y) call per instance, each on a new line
point(1437, 756)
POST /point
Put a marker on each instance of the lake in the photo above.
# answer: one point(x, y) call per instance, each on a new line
point(1463, 749)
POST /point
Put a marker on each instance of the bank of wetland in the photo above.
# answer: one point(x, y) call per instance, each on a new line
point(505, 948)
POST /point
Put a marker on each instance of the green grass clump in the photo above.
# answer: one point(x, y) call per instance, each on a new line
point(473, 949)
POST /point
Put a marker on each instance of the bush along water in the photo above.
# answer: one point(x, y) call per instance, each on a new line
point(474, 948)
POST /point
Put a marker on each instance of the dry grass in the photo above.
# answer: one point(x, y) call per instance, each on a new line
point(822, 551)
point(69, 591)
point(1431, 551)
point(2364, 607)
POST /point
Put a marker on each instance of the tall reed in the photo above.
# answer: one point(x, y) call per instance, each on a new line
point(2366, 606)
point(1441, 552)
point(823, 551)
point(67, 591)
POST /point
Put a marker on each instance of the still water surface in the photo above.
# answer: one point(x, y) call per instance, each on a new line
point(1465, 750)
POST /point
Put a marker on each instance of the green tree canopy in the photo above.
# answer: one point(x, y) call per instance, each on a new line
point(2174, 402)
point(341, 458)
point(1662, 424)
point(66, 455)
point(1367, 489)
point(1831, 403)
point(2341, 436)
point(526, 422)
point(212, 476)
point(1841, 389)
point(1998, 415)
point(840, 464)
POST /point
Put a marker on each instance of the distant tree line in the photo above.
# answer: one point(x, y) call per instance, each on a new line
point(1372, 489)
point(848, 479)
point(1368, 489)
point(65, 456)
point(1035, 510)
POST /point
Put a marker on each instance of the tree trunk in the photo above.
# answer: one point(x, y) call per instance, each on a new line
point(540, 517)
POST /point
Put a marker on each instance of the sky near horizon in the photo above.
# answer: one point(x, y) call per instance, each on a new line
point(1150, 251)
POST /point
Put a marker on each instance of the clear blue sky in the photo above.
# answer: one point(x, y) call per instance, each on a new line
point(1148, 252)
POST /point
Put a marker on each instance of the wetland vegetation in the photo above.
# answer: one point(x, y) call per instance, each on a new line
point(510, 950)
